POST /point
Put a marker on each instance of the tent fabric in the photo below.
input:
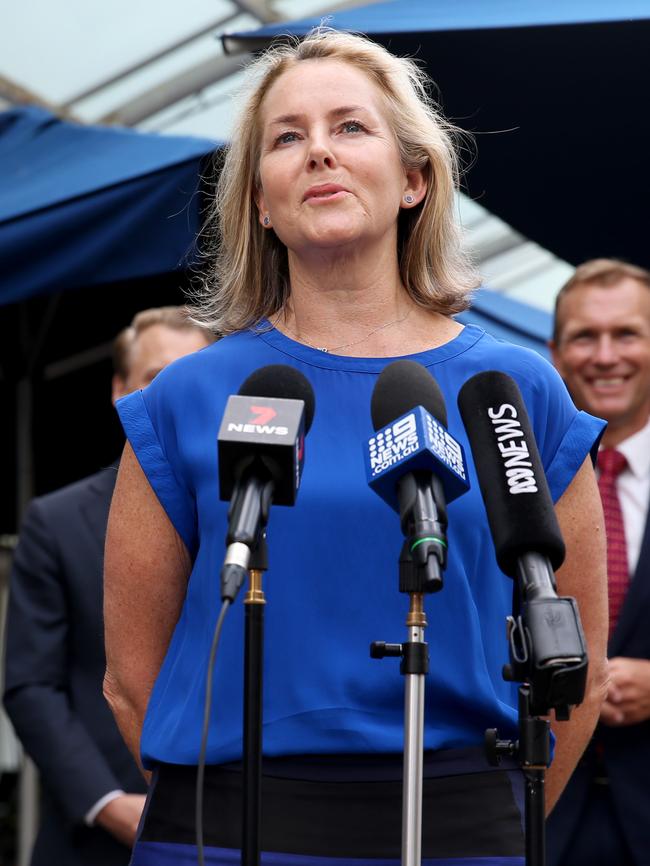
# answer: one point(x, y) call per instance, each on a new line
point(424, 15)
point(507, 319)
point(82, 205)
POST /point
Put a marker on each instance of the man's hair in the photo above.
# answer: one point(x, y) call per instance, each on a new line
point(248, 277)
point(604, 273)
point(177, 318)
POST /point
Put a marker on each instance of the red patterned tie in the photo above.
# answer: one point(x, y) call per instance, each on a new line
point(611, 463)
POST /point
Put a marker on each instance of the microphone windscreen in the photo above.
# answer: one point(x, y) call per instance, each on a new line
point(400, 387)
point(282, 382)
point(511, 476)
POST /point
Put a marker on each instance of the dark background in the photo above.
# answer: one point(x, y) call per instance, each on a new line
point(75, 430)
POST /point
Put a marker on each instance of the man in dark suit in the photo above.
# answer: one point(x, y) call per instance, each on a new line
point(92, 791)
point(601, 347)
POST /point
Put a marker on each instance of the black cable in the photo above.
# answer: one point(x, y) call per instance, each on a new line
point(200, 770)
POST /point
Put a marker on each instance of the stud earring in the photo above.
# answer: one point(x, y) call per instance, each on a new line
point(408, 198)
point(267, 220)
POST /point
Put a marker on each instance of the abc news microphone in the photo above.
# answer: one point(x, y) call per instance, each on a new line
point(416, 467)
point(527, 539)
point(261, 454)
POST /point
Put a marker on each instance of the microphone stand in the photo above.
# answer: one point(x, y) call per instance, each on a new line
point(549, 658)
point(421, 561)
point(247, 550)
point(254, 603)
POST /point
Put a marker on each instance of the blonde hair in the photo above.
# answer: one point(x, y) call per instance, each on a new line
point(176, 318)
point(597, 272)
point(248, 275)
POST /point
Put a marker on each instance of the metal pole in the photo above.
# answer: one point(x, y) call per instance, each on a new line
point(253, 667)
point(534, 807)
point(413, 741)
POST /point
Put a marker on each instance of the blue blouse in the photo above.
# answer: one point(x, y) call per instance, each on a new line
point(332, 583)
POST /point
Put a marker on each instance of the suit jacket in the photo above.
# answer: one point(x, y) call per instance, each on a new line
point(626, 750)
point(54, 670)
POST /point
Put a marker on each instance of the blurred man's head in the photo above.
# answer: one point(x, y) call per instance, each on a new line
point(601, 344)
point(155, 338)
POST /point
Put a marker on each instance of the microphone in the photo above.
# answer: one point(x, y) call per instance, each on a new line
point(261, 447)
point(416, 467)
point(547, 644)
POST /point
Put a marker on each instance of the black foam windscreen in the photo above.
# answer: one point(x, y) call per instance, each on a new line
point(282, 382)
point(400, 387)
point(510, 472)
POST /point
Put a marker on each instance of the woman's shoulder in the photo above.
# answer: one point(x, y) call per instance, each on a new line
point(527, 366)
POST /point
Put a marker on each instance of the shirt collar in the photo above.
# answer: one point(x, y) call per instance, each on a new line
point(637, 451)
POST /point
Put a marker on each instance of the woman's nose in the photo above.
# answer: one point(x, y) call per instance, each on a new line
point(321, 153)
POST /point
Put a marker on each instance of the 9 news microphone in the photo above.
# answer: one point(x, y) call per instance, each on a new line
point(526, 534)
point(261, 446)
point(416, 467)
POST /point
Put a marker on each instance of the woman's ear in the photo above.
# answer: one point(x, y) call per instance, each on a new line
point(415, 188)
point(262, 213)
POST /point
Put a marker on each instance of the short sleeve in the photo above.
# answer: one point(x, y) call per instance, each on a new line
point(165, 478)
point(581, 438)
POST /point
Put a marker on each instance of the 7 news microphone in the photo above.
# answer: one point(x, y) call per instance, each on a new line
point(261, 454)
point(527, 537)
point(416, 466)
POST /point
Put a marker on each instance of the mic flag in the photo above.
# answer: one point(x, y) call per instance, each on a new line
point(261, 447)
point(416, 467)
point(511, 476)
point(266, 423)
point(410, 418)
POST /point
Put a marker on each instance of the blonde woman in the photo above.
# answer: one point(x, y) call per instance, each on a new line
point(337, 252)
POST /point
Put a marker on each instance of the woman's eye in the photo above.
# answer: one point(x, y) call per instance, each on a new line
point(286, 138)
point(352, 126)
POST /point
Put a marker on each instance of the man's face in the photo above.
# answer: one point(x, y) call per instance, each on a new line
point(152, 350)
point(603, 353)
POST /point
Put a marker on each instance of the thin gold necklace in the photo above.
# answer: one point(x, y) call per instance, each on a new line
point(345, 345)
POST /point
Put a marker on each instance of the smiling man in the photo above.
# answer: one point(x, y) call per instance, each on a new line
point(601, 347)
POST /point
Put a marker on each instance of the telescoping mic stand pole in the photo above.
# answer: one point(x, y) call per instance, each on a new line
point(248, 516)
point(422, 559)
point(548, 657)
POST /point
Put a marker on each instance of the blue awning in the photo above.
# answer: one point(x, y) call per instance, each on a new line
point(83, 205)
point(507, 319)
point(424, 16)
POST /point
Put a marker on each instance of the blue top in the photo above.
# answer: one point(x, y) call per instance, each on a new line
point(332, 583)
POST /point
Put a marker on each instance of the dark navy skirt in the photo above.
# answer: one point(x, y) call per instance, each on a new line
point(340, 810)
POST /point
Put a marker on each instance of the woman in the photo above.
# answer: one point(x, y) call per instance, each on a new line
point(338, 252)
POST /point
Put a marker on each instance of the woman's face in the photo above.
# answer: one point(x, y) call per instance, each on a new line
point(330, 169)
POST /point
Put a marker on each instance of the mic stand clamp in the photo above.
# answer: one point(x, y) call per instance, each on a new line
point(548, 657)
point(420, 572)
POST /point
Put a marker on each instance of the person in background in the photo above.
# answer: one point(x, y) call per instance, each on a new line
point(337, 252)
point(601, 347)
point(92, 791)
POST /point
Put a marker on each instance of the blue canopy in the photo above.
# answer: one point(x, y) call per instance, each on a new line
point(424, 16)
point(83, 205)
point(555, 93)
point(510, 320)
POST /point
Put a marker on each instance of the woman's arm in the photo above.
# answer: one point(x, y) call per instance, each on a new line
point(146, 569)
point(583, 576)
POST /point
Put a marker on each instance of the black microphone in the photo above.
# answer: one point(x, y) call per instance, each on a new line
point(261, 455)
point(414, 464)
point(527, 537)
